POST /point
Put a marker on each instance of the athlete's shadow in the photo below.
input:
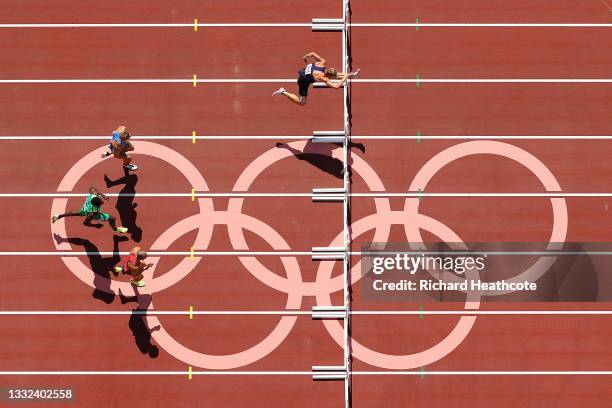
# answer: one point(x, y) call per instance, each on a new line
point(100, 266)
point(138, 323)
point(126, 207)
point(321, 157)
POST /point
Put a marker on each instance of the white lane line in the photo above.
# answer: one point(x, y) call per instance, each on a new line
point(155, 312)
point(275, 80)
point(430, 373)
point(199, 195)
point(298, 373)
point(483, 80)
point(295, 25)
point(416, 194)
point(307, 137)
point(151, 373)
point(483, 25)
point(305, 253)
point(142, 81)
point(162, 253)
point(422, 194)
point(484, 312)
point(304, 312)
point(492, 253)
point(179, 137)
point(466, 137)
point(156, 25)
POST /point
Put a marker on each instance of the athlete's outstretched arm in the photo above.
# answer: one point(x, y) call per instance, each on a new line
point(334, 84)
point(315, 56)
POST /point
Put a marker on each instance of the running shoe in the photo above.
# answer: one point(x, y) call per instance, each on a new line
point(131, 167)
point(121, 230)
point(139, 283)
point(54, 218)
point(355, 74)
point(117, 270)
point(278, 92)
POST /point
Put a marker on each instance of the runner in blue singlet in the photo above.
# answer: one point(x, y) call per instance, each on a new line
point(317, 71)
point(119, 146)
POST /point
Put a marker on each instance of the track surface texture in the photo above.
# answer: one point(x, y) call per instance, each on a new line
point(458, 137)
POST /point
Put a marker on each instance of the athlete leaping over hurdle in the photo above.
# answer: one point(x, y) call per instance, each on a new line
point(318, 71)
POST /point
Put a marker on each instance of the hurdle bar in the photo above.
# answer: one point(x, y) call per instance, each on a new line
point(327, 253)
point(328, 136)
point(327, 24)
point(328, 194)
point(328, 373)
point(328, 312)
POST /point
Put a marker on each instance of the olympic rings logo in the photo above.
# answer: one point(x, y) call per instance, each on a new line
point(292, 283)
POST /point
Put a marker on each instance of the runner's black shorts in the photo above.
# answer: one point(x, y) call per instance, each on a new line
point(303, 84)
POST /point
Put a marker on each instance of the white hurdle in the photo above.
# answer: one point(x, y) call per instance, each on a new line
point(328, 24)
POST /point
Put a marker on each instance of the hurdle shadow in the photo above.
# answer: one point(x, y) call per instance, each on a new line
point(138, 323)
point(100, 266)
point(321, 157)
point(126, 207)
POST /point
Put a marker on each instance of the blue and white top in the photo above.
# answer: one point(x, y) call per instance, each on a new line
point(117, 138)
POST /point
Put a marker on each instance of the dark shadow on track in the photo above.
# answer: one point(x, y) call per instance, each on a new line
point(138, 323)
point(100, 266)
point(321, 157)
point(126, 207)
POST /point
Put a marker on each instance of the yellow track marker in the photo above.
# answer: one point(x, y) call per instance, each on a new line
point(190, 373)
point(195, 80)
point(193, 137)
point(190, 312)
point(193, 195)
point(191, 252)
point(195, 24)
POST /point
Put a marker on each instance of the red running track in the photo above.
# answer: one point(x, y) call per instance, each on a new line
point(223, 282)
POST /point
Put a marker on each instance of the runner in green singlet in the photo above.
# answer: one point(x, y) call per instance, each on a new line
point(91, 211)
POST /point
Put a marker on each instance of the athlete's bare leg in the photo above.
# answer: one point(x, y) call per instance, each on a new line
point(297, 99)
point(123, 156)
point(68, 214)
point(300, 100)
